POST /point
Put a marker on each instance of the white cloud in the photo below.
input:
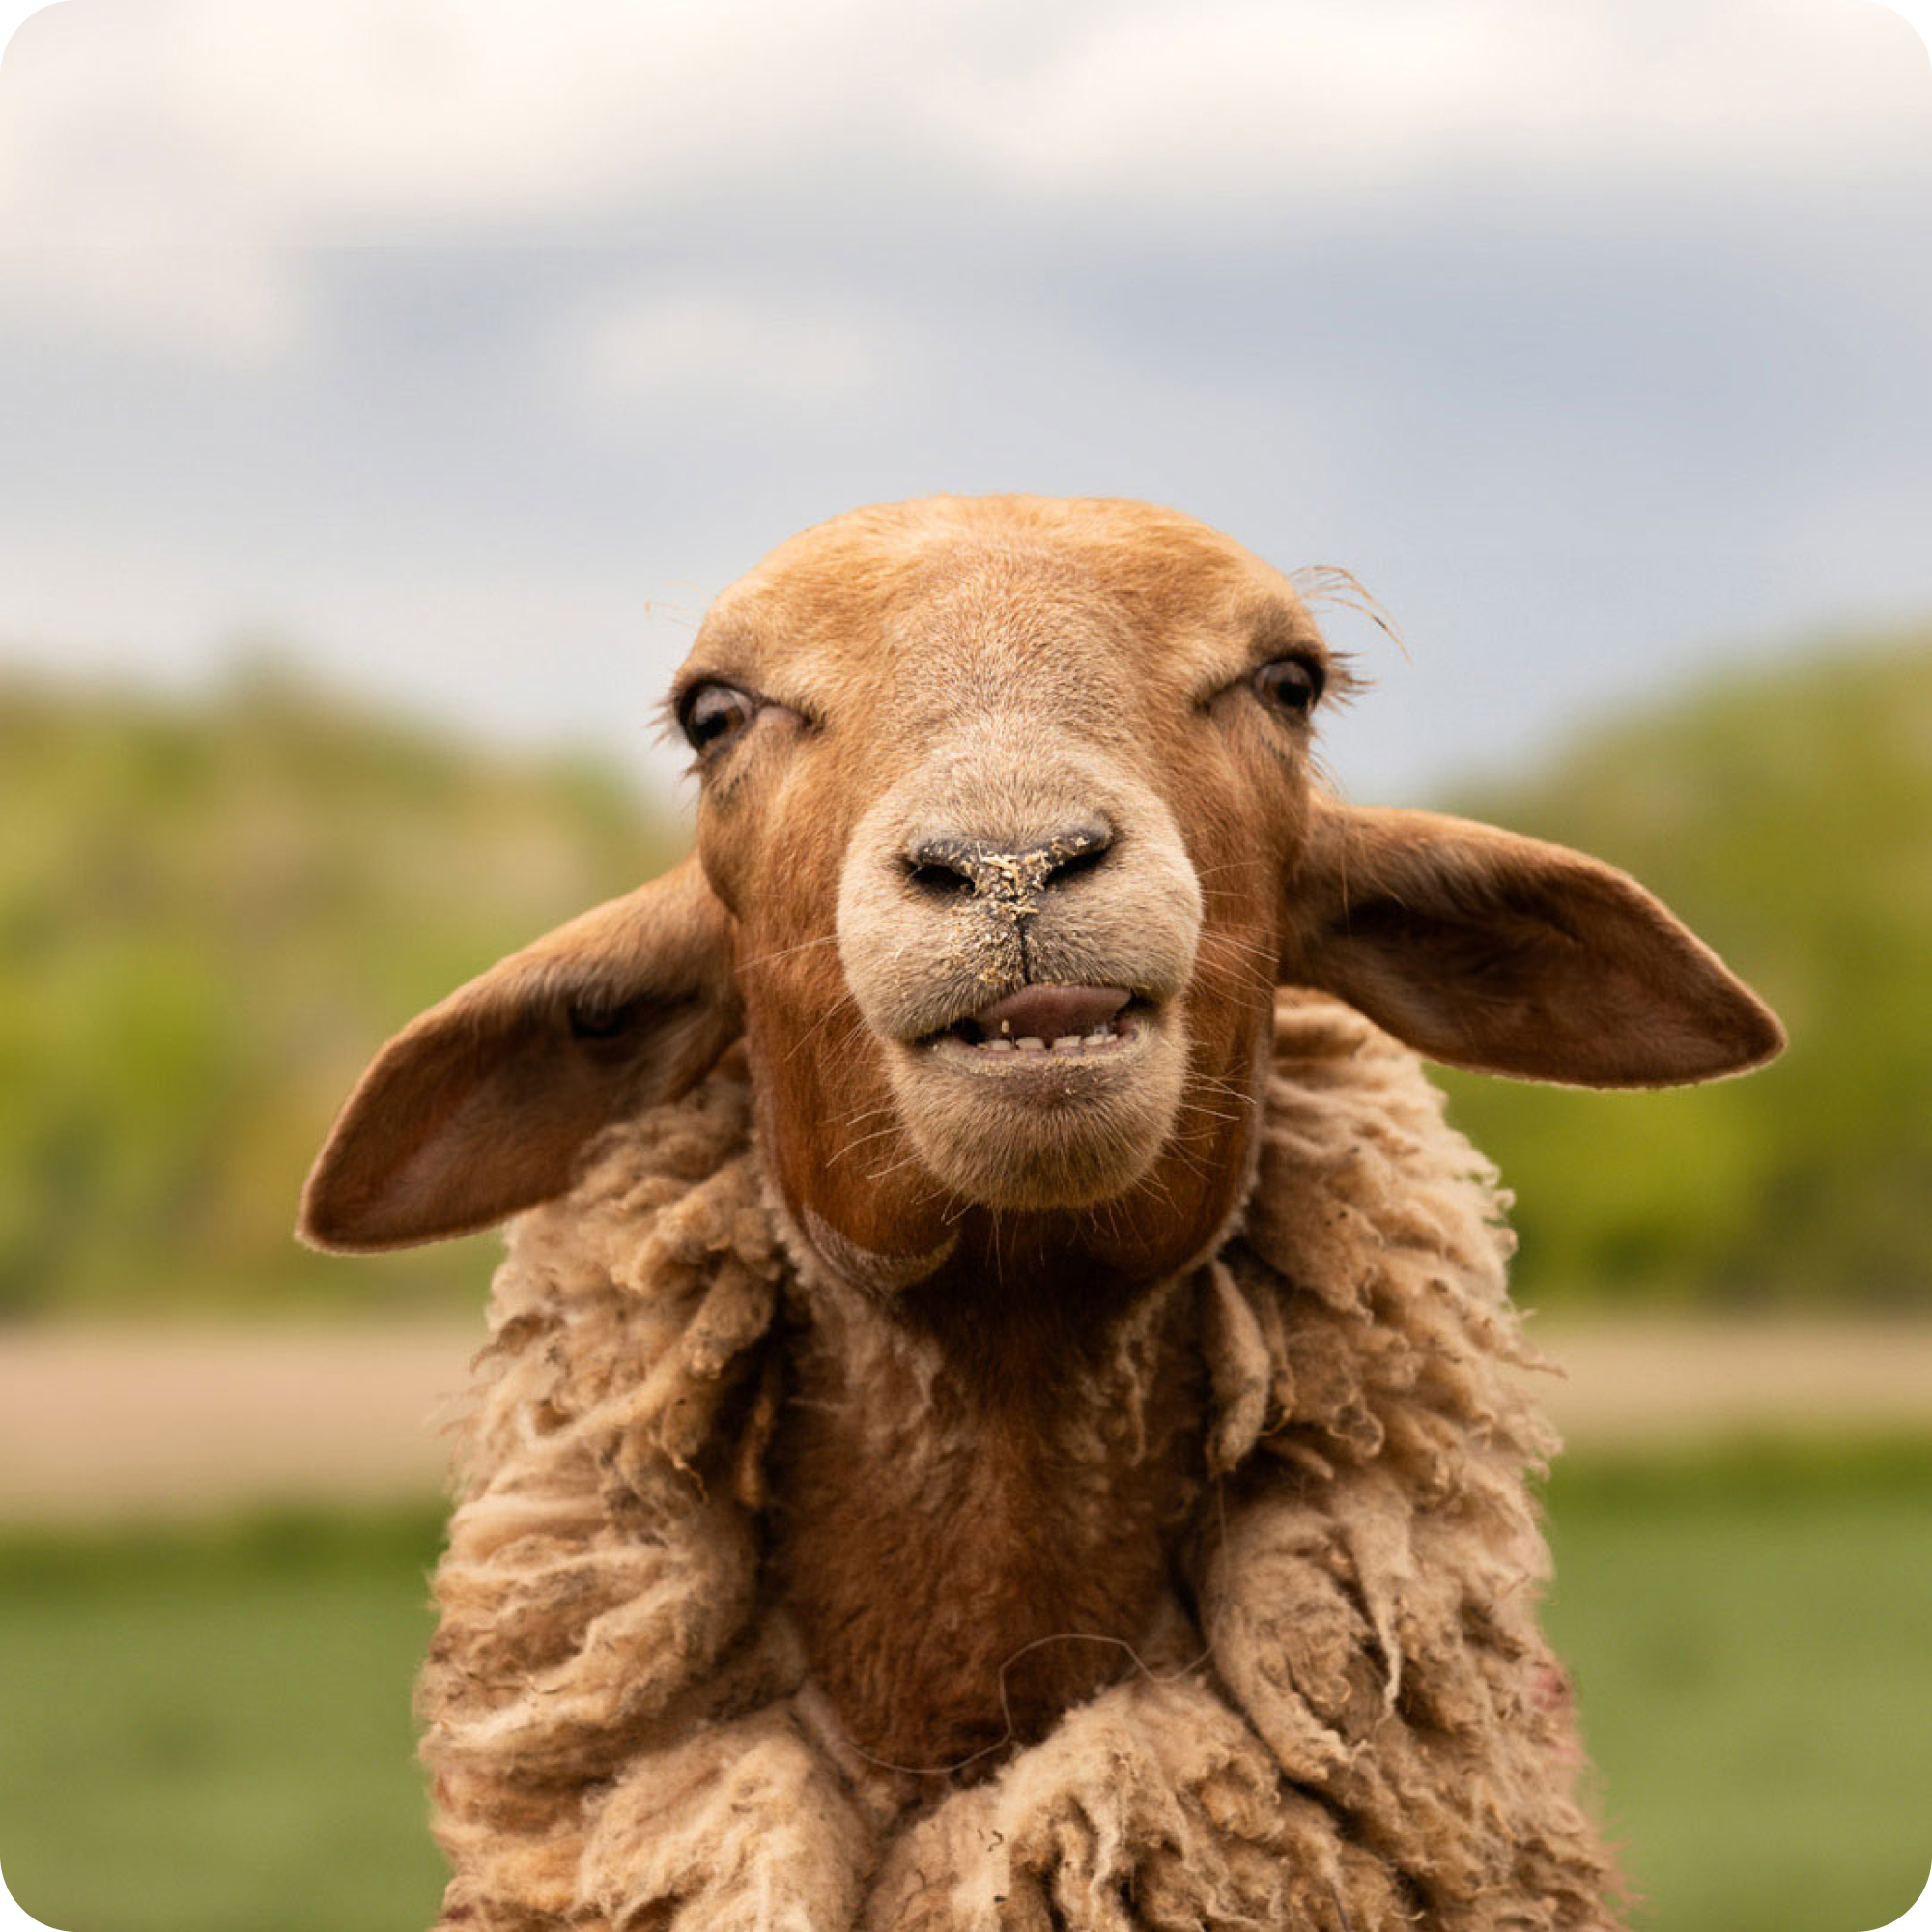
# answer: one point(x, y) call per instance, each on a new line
point(242, 305)
point(698, 344)
point(164, 168)
point(1265, 101)
point(359, 119)
point(226, 121)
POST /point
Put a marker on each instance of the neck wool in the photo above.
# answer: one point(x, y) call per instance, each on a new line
point(1364, 1729)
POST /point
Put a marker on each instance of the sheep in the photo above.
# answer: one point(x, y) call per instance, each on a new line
point(1001, 1404)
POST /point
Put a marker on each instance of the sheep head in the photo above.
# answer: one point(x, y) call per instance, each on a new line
point(1008, 828)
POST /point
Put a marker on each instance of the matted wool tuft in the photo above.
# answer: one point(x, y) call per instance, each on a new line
point(1354, 1724)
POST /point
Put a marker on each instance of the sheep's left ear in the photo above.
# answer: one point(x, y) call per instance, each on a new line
point(482, 1106)
point(1502, 954)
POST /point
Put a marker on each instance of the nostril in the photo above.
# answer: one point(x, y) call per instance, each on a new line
point(933, 878)
point(1072, 867)
point(949, 864)
point(1079, 849)
point(942, 866)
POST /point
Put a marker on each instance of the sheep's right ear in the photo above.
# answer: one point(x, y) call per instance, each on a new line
point(482, 1106)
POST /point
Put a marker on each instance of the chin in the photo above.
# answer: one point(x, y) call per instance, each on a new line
point(1024, 1126)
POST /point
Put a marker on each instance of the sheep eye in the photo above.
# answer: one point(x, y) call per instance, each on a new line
point(709, 713)
point(1288, 684)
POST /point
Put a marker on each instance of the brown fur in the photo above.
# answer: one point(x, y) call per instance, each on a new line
point(940, 1509)
point(922, 1484)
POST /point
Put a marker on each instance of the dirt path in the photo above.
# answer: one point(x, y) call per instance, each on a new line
point(129, 1421)
point(133, 1421)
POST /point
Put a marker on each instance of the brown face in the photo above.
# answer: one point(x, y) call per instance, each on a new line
point(1002, 796)
point(1008, 832)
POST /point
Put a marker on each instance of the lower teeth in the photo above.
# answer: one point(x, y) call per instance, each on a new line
point(1098, 1041)
point(1066, 1042)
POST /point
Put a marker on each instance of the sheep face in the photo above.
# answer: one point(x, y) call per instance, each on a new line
point(1008, 827)
point(1002, 797)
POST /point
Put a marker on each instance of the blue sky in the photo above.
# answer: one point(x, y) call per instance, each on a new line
point(468, 348)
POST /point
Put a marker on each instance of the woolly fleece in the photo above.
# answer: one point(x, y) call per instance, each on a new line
point(1347, 1722)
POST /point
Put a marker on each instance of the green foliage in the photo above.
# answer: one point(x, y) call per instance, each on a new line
point(1788, 820)
point(208, 919)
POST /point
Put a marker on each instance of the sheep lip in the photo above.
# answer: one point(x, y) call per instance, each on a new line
point(1070, 1039)
point(1047, 1013)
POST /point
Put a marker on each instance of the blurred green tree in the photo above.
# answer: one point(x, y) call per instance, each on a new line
point(209, 916)
point(1787, 815)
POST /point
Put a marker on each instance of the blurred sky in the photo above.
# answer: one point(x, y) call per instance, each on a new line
point(469, 346)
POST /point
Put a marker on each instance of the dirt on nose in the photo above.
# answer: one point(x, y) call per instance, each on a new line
point(1046, 1012)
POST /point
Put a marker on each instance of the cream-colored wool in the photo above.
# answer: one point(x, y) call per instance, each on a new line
point(1353, 1727)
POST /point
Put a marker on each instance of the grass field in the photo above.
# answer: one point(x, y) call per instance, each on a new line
point(209, 1731)
point(1752, 1643)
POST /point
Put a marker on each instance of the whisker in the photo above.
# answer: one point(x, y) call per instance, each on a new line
point(830, 1014)
point(786, 951)
point(863, 1140)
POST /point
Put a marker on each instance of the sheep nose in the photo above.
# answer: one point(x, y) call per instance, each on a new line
point(945, 862)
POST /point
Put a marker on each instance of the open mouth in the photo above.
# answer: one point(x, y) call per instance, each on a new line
point(1063, 1021)
point(1080, 1086)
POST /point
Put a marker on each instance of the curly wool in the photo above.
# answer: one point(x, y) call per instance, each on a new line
point(1359, 1728)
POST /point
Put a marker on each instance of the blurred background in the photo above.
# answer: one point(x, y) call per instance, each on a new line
point(388, 386)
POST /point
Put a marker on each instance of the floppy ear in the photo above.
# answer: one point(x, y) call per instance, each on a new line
point(1501, 954)
point(480, 1107)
